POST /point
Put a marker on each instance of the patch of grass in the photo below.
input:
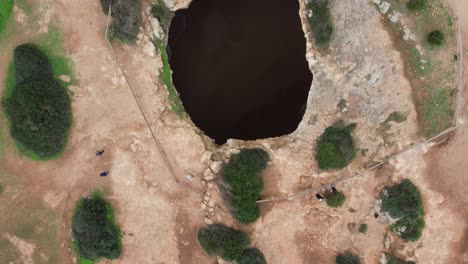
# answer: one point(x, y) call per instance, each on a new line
point(51, 44)
point(403, 201)
point(362, 228)
point(435, 38)
point(426, 70)
point(320, 22)
point(417, 5)
point(392, 259)
point(222, 241)
point(126, 18)
point(6, 9)
point(244, 183)
point(347, 258)
point(160, 11)
point(176, 103)
point(94, 230)
point(436, 111)
point(335, 148)
point(251, 256)
point(38, 107)
point(335, 200)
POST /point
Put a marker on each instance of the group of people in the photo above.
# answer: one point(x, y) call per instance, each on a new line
point(320, 197)
point(103, 173)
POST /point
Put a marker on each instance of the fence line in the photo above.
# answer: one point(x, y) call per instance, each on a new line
point(153, 135)
point(406, 149)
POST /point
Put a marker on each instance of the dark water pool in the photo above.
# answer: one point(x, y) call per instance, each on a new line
point(240, 67)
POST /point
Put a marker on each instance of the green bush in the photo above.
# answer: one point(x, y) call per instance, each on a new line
point(251, 256)
point(435, 38)
point(404, 201)
point(391, 259)
point(335, 199)
point(320, 22)
point(163, 14)
point(222, 241)
point(38, 107)
point(6, 9)
point(362, 228)
point(417, 5)
point(335, 148)
point(126, 18)
point(242, 175)
point(347, 258)
point(94, 231)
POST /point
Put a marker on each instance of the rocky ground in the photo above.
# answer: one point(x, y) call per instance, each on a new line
point(160, 211)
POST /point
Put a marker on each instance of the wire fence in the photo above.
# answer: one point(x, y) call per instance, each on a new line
point(153, 135)
point(451, 129)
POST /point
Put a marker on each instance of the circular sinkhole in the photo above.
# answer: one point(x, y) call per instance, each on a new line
point(240, 67)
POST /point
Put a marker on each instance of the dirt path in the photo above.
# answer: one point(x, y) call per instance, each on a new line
point(448, 168)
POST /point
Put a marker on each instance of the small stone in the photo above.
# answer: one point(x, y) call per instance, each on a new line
point(158, 32)
point(208, 221)
point(219, 218)
point(210, 209)
point(140, 36)
point(210, 185)
point(211, 203)
point(145, 38)
point(203, 206)
point(65, 78)
point(208, 175)
point(234, 151)
point(206, 198)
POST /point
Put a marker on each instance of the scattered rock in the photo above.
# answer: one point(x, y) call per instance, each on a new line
point(208, 175)
point(149, 49)
point(189, 176)
point(384, 6)
point(140, 36)
point(203, 206)
point(219, 218)
point(208, 221)
point(211, 203)
point(394, 17)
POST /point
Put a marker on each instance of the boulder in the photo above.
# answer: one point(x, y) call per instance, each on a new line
point(158, 32)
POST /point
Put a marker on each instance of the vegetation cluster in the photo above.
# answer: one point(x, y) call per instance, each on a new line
point(229, 244)
point(94, 231)
point(320, 22)
point(126, 18)
point(335, 199)
point(335, 147)
point(244, 183)
point(347, 258)
point(403, 201)
point(37, 106)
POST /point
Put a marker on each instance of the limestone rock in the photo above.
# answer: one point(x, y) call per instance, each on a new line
point(216, 166)
point(149, 49)
point(158, 32)
point(208, 221)
point(208, 175)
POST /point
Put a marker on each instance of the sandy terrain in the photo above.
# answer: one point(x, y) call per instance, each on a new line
point(160, 217)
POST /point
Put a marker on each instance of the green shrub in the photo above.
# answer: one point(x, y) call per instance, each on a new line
point(38, 107)
point(417, 5)
point(335, 148)
point(335, 199)
point(251, 256)
point(347, 258)
point(126, 18)
point(391, 259)
point(320, 22)
point(242, 175)
point(404, 201)
point(225, 242)
point(6, 9)
point(362, 228)
point(94, 231)
point(435, 38)
point(163, 14)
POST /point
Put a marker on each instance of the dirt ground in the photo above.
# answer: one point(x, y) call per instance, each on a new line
point(160, 213)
